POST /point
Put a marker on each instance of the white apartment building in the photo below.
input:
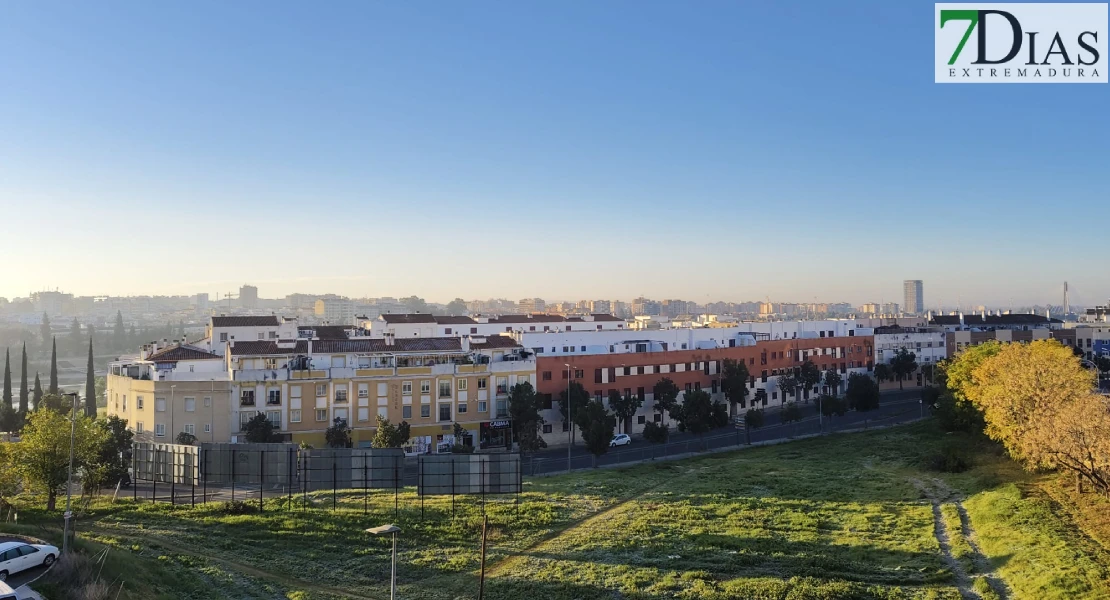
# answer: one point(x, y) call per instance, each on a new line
point(425, 325)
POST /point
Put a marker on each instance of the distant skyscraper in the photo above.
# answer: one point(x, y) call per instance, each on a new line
point(914, 300)
point(248, 296)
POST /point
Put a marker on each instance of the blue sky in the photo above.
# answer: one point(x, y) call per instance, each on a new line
point(730, 150)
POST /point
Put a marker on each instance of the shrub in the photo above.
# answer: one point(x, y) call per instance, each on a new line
point(462, 449)
point(238, 507)
point(791, 412)
point(950, 459)
point(75, 577)
point(656, 433)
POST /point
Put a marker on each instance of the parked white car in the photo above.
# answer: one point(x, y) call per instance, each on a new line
point(18, 556)
point(621, 439)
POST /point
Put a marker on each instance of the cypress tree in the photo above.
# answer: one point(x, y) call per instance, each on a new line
point(54, 367)
point(119, 336)
point(36, 396)
point(7, 397)
point(8, 419)
point(90, 385)
point(24, 389)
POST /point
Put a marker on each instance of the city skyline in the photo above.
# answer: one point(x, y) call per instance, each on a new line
point(504, 151)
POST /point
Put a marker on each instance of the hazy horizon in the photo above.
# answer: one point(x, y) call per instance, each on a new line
point(563, 151)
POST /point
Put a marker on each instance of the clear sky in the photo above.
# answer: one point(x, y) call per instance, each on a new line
point(724, 150)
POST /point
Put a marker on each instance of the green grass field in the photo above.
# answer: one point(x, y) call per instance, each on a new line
point(845, 516)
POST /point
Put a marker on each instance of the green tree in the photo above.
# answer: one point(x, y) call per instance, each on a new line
point(863, 393)
point(90, 384)
point(808, 376)
point(414, 304)
point(36, 395)
point(734, 383)
point(753, 419)
point(832, 405)
point(389, 435)
point(43, 453)
point(185, 439)
point(665, 397)
point(524, 410)
point(624, 407)
point(456, 307)
point(596, 425)
point(53, 367)
point(57, 403)
point(259, 430)
point(119, 334)
point(9, 419)
point(656, 433)
point(75, 336)
point(24, 388)
point(696, 415)
point(903, 365)
point(576, 403)
point(883, 372)
point(788, 383)
point(790, 412)
point(113, 455)
point(339, 434)
point(44, 329)
point(833, 380)
point(7, 397)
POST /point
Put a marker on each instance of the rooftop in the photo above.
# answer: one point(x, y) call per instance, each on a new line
point(993, 320)
point(244, 321)
point(182, 352)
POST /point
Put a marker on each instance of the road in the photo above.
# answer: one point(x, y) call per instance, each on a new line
point(23, 577)
point(895, 407)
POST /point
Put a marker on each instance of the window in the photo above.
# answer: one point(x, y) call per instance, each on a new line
point(321, 414)
point(270, 363)
point(273, 335)
point(208, 427)
point(482, 383)
point(461, 385)
point(139, 427)
point(273, 397)
point(364, 414)
point(641, 419)
point(223, 337)
point(547, 427)
point(658, 418)
point(160, 404)
point(482, 406)
point(341, 394)
point(246, 398)
point(274, 417)
point(190, 429)
point(547, 375)
point(444, 389)
point(426, 387)
point(406, 411)
point(321, 389)
point(502, 385)
point(444, 412)
point(159, 430)
point(406, 388)
point(295, 416)
point(425, 410)
point(462, 408)
point(579, 373)
point(207, 401)
point(363, 390)
point(138, 402)
point(262, 336)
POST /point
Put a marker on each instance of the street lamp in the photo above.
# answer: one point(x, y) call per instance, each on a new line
point(173, 432)
point(393, 530)
point(570, 418)
point(69, 474)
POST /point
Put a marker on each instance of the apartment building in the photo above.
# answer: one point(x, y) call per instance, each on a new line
point(335, 311)
point(929, 346)
point(304, 385)
point(425, 325)
point(169, 389)
point(531, 305)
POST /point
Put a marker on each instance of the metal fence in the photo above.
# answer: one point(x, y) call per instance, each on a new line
point(468, 474)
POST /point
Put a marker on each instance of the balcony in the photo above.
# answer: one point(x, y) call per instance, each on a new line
point(246, 402)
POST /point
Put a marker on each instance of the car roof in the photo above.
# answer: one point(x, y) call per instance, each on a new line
point(4, 546)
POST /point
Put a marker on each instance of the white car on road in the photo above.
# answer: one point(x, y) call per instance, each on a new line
point(20, 556)
point(620, 440)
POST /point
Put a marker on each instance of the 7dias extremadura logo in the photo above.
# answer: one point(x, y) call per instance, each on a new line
point(1020, 43)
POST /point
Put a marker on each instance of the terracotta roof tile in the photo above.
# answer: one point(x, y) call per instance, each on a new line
point(179, 352)
point(244, 321)
point(266, 348)
point(495, 341)
point(408, 318)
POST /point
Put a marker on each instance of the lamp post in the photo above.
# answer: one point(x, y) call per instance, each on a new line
point(69, 474)
point(570, 419)
point(393, 530)
point(173, 433)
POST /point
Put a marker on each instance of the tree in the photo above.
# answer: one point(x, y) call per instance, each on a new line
point(790, 412)
point(952, 414)
point(903, 365)
point(185, 439)
point(75, 335)
point(788, 383)
point(863, 393)
point(833, 380)
point(389, 435)
point(339, 434)
point(883, 372)
point(665, 396)
point(53, 367)
point(1078, 350)
point(456, 307)
point(656, 433)
point(734, 383)
point(44, 329)
point(596, 425)
point(576, 403)
point(90, 385)
point(696, 415)
point(832, 405)
point(9, 419)
point(460, 434)
point(1102, 363)
point(119, 334)
point(414, 304)
point(42, 457)
point(624, 407)
point(1075, 436)
point(113, 455)
point(808, 376)
point(760, 398)
point(7, 397)
point(24, 388)
point(753, 419)
point(524, 410)
point(36, 395)
point(57, 403)
point(259, 430)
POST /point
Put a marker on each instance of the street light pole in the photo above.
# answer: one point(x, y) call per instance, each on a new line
point(394, 530)
point(173, 433)
point(570, 418)
point(69, 473)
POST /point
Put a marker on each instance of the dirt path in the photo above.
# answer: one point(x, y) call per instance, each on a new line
point(939, 493)
point(245, 569)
